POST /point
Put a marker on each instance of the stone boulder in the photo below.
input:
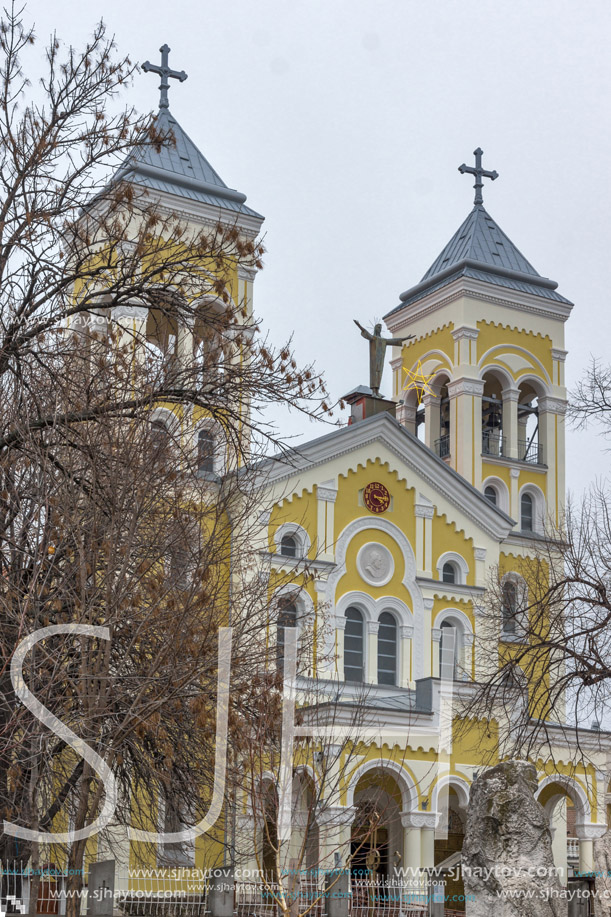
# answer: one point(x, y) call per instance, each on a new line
point(507, 862)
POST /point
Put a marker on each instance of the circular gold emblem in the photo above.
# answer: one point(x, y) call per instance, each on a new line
point(376, 498)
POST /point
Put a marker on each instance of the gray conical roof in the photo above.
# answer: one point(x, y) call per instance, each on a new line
point(481, 250)
point(181, 169)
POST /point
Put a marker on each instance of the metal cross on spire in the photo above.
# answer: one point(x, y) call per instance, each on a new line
point(165, 73)
point(479, 174)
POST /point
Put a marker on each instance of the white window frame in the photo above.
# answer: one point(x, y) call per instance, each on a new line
point(460, 565)
point(296, 531)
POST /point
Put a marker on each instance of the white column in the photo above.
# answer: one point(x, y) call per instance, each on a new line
point(514, 503)
point(467, 654)
point(371, 656)
point(551, 431)
point(480, 566)
point(405, 656)
point(559, 846)
point(424, 536)
point(340, 627)
point(432, 416)
point(412, 855)
point(510, 421)
point(436, 638)
point(427, 837)
point(586, 855)
point(426, 638)
point(465, 435)
point(131, 322)
point(326, 495)
point(406, 415)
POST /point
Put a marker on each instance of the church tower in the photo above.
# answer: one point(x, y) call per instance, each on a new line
point(489, 339)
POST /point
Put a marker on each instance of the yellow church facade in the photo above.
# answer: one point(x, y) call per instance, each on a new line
point(387, 534)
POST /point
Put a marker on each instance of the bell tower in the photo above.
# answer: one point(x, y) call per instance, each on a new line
point(489, 339)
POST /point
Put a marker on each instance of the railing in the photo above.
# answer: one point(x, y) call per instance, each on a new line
point(442, 446)
point(530, 452)
point(494, 444)
point(572, 848)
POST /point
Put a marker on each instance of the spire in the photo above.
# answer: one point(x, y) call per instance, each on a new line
point(165, 73)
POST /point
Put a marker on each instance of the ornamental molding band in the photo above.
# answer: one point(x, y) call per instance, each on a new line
point(466, 387)
point(140, 313)
point(428, 603)
point(589, 831)
point(340, 622)
point(465, 332)
point(480, 553)
point(373, 627)
point(407, 631)
point(424, 511)
point(514, 472)
point(436, 634)
point(337, 816)
point(558, 354)
point(417, 819)
point(246, 273)
point(509, 394)
point(375, 564)
point(326, 493)
point(550, 405)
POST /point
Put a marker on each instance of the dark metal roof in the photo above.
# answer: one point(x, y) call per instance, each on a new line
point(481, 250)
point(180, 168)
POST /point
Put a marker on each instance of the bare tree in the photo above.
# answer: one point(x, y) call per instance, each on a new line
point(106, 517)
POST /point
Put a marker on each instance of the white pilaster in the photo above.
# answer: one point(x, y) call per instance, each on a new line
point(405, 675)
point(326, 495)
point(371, 657)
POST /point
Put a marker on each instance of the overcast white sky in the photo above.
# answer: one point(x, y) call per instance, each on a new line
point(345, 121)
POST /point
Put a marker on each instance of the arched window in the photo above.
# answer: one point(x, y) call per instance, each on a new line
point(288, 546)
point(286, 618)
point(205, 451)
point(353, 646)
point(491, 494)
point(160, 438)
point(448, 574)
point(387, 650)
point(449, 640)
point(509, 607)
point(527, 512)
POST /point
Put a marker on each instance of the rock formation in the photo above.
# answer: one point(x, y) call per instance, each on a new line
point(508, 867)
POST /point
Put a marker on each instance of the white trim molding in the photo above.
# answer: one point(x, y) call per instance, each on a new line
point(460, 564)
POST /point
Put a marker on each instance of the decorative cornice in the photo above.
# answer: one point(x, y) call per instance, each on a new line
point(423, 511)
point(373, 627)
point(407, 631)
point(510, 394)
point(558, 354)
point(428, 603)
point(340, 622)
point(328, 494)
point(466, 387)
point(336, 816)
point(514, 472)
point(139, 313)
point(589, 831)
point(550, 405)
point(436, 634)
point(465, 332)
point(479, 290)
point(246, 273)
point(417, 819)
point(480, 553)
point(264, 517)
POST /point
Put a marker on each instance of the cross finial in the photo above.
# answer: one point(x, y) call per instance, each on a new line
point(165, 73)
point(479, 174)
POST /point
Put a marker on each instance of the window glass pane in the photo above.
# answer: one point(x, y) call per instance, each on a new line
point(527, 513)
point(490, 494)
point(286, 618)
point(353, 646)
point(509, 607)
point(288, 546)
point(387, 650)
point(446, 629)
point(448, 574)
point(205, 451)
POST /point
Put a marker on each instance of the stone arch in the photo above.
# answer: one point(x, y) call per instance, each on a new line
point(460, 786)
point(569, 787)
point(404, 780)
point(459, 563)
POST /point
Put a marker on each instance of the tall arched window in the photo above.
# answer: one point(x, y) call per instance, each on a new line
point(160, 439)
point(353, 646)
point(449, 640)
point(448, 574)
point(286, 618)
point(509, 607)
point(205, 451)
point(387, 650)
point(491, 494)
point(288, 546)
point(527, 506)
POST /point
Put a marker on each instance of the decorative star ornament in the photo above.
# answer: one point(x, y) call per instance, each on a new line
point(418, 380)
